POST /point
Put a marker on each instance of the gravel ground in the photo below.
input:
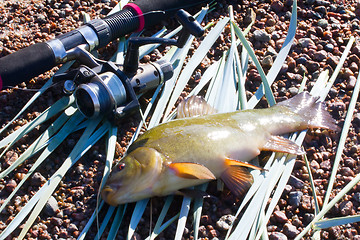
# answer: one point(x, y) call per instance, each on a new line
point(324, 28)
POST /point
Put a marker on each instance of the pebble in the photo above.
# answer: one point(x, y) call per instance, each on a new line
point(333, 61)
point(296, 182)
point(51, 207)
point(277, 6)
point(280, 217)
point(326, 165)
point(320, 55)
point(323, 23)
point(10, 185)
point(261, 36)
point(314, 164)
point(56, 221)
point(37, 179)
point(250, 16)
point(308, 217)
point(267, 62)
point(335, 232)
point(350, 162)
point(295, 198)
point(329, 47)
point(312, 66)
point(277, 236)
point(346, 171)
point(293, 91)
point(225, 222)
point(350, 84)
point(306, 203)
point(346, 208)
point(356, 119)
point(306, 42)
point(10, 158)
point(290, 230)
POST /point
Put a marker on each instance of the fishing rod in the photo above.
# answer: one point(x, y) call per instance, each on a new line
point(38, 58)
point(103, 87)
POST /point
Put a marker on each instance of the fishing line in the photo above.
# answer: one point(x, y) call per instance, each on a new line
point(31, 89)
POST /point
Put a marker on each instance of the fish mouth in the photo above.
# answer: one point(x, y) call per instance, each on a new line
point(108, 195)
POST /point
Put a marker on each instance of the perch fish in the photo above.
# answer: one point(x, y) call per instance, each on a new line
point(203, 145)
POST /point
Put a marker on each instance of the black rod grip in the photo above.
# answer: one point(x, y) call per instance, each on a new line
point(26, 64)
point(157, 10)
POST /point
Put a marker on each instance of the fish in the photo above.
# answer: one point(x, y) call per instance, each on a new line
point(202, 145)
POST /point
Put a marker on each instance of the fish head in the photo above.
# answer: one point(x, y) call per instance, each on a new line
point(133, 177)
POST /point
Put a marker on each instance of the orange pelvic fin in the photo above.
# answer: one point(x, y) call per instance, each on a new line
point(191, 170)
point(237, 178)
point(281, 144)
point(233, 162)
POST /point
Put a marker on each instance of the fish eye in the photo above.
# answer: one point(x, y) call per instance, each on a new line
point(121, 166)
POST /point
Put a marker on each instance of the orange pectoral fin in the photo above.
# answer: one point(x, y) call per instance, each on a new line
point(191, 170)
point(281, 144)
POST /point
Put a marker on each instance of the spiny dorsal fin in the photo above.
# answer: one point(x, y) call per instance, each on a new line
point(193, 107)
point(281, 144)
point(191, 170)
point(237, 179)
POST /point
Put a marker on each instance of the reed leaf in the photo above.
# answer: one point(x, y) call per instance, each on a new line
point(328, 205)
point(136, 216)
point(313, 188)
point(184, 211)
point(198, 203)
point(51, 145)
point(40, 198)
point(338, 67)
point(105, 221)
point(285, 49)
point(164, 210)
point(56, 108)
point(328, 223)
point(194, 62)
point(345, 129)
point(119, 215)
point(83, 233)
point(268, 92)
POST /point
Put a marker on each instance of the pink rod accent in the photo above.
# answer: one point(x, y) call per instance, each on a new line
point(139, 13)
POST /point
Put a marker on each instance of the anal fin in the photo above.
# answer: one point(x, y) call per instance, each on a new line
point(191, 170)
point(281, 144)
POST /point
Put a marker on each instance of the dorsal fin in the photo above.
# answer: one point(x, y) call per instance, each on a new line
point(193, 107)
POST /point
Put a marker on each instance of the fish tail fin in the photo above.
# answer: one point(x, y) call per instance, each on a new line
point(313, 111)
